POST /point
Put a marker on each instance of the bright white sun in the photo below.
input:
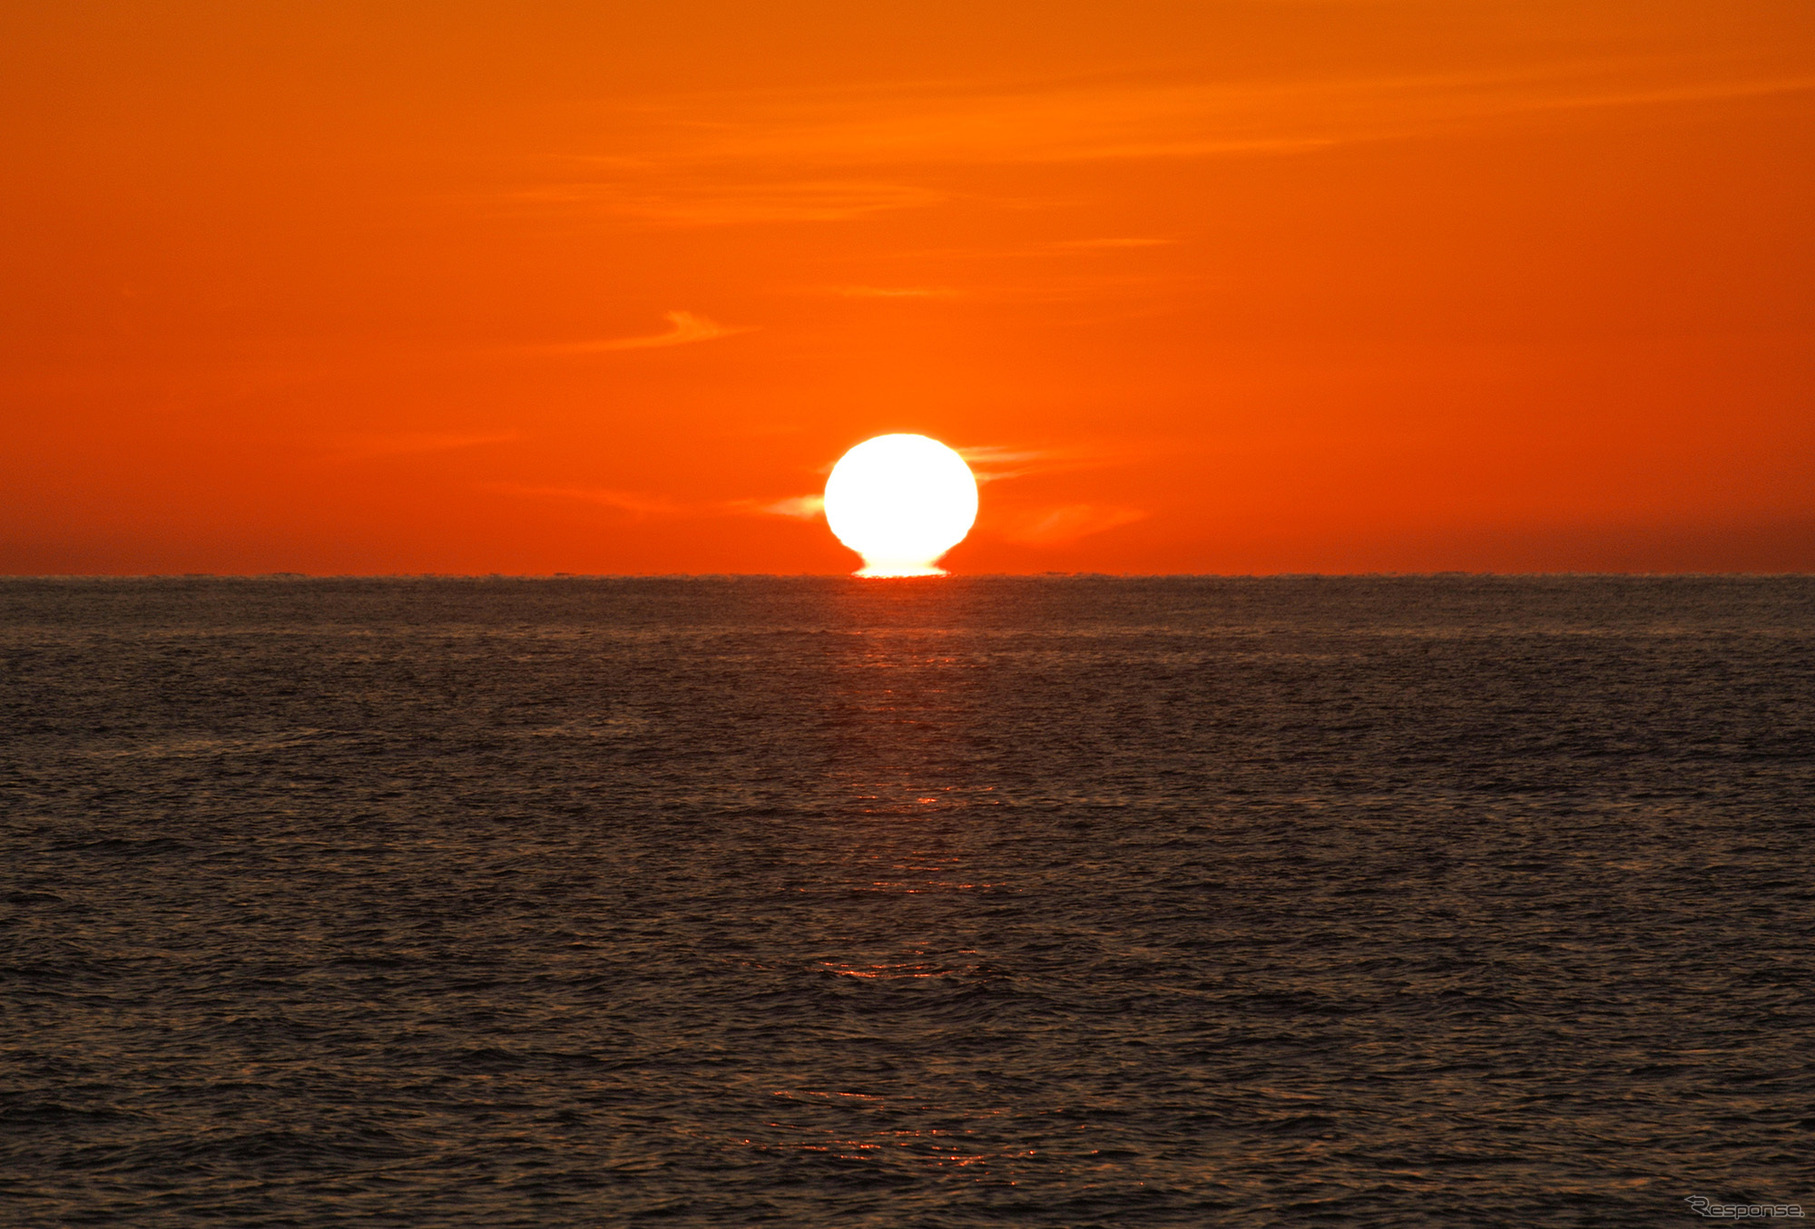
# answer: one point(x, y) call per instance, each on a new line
point(901, 501)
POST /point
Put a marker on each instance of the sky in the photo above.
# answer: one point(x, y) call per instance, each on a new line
point(1227, 286)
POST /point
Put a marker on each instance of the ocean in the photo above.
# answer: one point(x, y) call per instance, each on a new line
point(1059, 901)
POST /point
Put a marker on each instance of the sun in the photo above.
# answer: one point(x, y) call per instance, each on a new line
point(901, 501)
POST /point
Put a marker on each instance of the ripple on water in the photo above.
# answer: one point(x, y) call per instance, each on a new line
point(1057, 902)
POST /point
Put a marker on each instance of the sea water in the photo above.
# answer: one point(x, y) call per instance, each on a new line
point(1056, 901)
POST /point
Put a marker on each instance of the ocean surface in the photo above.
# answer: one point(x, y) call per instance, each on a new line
point(1048, 902)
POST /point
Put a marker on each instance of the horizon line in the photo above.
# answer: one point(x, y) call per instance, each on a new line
point(1046, 575)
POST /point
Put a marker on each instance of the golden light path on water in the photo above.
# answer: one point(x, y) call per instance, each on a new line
point(901, 501)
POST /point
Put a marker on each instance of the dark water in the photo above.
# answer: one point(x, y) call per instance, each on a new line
point(965, 902)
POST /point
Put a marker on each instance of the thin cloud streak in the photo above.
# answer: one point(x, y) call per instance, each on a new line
point(640, 505)
point(1087, 244)
point(895, 292)
point(718, 160)
point(798, 507)
point(1065, 523)
point(1146, 121)
point(989, 463)
point(998, 464)
point(372, 447)
point(684, 328)
point(686, 203)
point(635, 504)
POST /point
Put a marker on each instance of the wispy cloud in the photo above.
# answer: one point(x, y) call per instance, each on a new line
point(1148, 119)
point(997, 463)
point(409, 443)
point(825, 155)
point(636, 504)
point(672, 193)
point(642, 505)
point(1057, 523)
point(1063, 523)
point(1046, 287)
point(1046, 525)
point(923, 127)
point(992, 464)
point(683, 328)
point(798, 507)
point(895, 292)
point(1085, 244)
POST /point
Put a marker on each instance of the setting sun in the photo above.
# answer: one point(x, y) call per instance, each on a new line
point(421, 422)
point(901, 501)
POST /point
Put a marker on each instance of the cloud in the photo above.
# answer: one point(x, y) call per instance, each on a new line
point(643, 506)
point(1050, 525)
point(996, 464)
point(683, 328)
point(967, 125)
point(990, 463)
point(1048, 288)
point(834, 154)
point(800, 507)
point(980, 124)
point(636, 504)
point(991, 455)
point(1113, 243)
point(371, 447)
point(895, 292)
point(670, 195)
point(1063, 523)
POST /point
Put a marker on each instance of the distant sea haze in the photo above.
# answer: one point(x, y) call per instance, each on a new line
point(964, 902)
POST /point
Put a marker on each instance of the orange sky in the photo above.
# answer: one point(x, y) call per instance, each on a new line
point(1279, 285)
